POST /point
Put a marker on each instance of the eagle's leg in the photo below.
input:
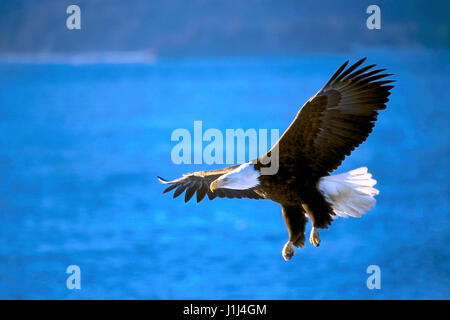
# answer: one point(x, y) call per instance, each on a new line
point(318, 210)
point(314, 237)
point(295, 220)
point(288, 251)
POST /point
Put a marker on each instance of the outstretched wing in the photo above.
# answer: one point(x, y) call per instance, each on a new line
point(336, 120)
point(200, 181)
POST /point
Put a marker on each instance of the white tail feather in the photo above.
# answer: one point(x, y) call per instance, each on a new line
point(350, 194)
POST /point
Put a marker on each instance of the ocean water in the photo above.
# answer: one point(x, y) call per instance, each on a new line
point(81, 146)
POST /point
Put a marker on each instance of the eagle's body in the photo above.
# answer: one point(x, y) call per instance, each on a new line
point(327, 128)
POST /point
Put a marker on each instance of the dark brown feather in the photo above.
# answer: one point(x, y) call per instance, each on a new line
point(335, 121)
point(199, 182)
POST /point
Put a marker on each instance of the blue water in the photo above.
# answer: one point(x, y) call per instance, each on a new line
point(80, 146)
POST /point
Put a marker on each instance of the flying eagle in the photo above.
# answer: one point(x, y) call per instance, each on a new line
point(327, 128)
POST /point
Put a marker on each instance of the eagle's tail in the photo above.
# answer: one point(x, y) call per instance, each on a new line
point(350, 194)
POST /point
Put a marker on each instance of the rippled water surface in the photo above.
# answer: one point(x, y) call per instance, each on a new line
point(81, 145)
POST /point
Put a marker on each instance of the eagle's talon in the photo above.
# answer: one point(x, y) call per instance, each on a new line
point(314, 237)
point(288, 251)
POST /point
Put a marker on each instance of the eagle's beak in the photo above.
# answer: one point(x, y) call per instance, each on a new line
point(216, 184)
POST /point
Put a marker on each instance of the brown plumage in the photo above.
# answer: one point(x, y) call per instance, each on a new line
point(328, 128)
point(200, 181)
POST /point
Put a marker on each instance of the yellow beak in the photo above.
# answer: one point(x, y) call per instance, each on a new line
point(216, 184)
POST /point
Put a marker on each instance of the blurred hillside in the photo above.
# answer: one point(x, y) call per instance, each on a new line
point(225, 27)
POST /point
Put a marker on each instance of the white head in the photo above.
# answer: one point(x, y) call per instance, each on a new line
point(243, 177)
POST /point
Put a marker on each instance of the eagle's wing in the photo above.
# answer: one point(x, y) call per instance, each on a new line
point(336, 120)
point(200, 181)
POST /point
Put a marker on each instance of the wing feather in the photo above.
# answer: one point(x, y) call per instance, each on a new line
point(336, 120)
point(199, 182)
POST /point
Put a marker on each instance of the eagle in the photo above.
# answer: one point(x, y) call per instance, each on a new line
point(329, 126)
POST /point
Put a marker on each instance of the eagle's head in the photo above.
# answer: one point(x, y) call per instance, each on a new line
point(245, 176)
